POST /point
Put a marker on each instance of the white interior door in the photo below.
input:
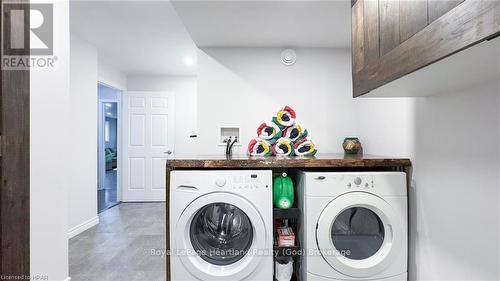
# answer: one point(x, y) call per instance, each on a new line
point(148, 140)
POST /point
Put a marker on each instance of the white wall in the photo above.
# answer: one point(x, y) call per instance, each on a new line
point(387, 126)
point(86, 70)
point(452, 139)
point(49, 150)
point(244, 86)
point(83, 126)
point(110, 76)
point(185, 91)
point(232, 81)
point(458, 185)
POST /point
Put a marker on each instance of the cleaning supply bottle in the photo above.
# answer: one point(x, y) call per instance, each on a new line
point(283, 192)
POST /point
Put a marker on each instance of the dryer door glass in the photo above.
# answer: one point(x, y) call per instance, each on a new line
point(357, 233)
point(221, 233)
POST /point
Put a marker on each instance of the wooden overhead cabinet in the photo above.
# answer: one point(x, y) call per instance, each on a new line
point(392, 38)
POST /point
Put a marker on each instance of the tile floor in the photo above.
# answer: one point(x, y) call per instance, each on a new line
point(120, 247)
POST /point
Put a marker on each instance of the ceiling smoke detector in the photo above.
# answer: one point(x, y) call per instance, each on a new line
point(288, 57)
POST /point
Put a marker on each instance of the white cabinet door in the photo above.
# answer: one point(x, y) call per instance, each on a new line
point(148, 140)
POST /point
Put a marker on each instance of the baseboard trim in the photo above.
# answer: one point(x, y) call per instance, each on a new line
point(82, 227)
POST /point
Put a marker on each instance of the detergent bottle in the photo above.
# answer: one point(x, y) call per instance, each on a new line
point(283, 192)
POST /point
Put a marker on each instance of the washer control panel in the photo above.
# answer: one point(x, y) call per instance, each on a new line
point(220, 181)
point(251, 181)
point(359, 182)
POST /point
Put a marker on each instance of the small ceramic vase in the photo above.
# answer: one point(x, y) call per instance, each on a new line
point(352, 145)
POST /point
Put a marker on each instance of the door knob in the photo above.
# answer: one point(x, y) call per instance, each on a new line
point(168, 152)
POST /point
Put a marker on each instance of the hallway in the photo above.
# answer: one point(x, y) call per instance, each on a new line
point(107, 197)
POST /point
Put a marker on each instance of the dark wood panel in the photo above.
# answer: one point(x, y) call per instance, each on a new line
point(14, 183)
point(389, 25)
point(412, 18)
point(167, 236)
point(471, 22)
point(437, 8)
point(357, 36)
point(371, 31)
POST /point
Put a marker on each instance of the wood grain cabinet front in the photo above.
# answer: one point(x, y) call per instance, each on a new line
point(392, 38)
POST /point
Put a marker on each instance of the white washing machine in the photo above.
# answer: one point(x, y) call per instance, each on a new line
point(355, 225)
point(221, 225)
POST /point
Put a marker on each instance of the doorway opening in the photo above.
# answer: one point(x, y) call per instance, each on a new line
point(108, 147)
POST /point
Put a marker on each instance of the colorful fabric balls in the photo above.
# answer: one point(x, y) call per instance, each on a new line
point(294, 132)
point(285, 116)
point(269, 131)
point(283, 147)
point(259, 147)
point(305, 147)
point(282, 137)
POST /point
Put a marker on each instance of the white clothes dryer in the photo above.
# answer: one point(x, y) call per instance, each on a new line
point(355, 225)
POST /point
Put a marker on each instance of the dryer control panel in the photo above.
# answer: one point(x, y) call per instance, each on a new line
point(336, 183)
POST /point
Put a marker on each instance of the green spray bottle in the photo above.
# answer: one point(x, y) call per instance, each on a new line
point(283, 192)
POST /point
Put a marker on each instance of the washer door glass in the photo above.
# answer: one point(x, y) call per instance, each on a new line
point(221, 233)
point(357, 233)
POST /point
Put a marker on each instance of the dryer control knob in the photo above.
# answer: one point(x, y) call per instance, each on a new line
point(220, 181)
point(357, 181)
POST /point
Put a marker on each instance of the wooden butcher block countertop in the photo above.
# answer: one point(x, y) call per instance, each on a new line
point(318, 161)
